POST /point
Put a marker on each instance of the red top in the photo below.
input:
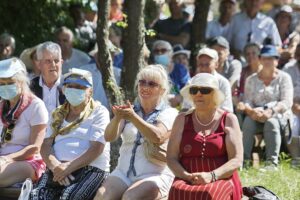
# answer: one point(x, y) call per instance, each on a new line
point(200, 153)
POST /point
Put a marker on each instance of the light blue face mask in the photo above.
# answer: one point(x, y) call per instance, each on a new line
point(8, 92)
point(74, 96)
point(163, 59)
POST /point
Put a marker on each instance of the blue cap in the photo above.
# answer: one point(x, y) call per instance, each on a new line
point(269, 51)
point(79, 76)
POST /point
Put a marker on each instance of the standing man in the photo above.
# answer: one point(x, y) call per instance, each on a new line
point(220, 27)
point(47, 85)
point(251, 26)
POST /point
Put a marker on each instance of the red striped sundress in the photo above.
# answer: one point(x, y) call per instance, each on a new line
point(204, 154)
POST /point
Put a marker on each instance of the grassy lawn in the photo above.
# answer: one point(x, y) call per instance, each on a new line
point(285, 182)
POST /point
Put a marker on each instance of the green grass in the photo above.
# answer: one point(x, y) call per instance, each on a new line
point(285, 182)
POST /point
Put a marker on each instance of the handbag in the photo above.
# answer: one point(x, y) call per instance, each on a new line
point(259, 193)
point(155, 153)
point(26, 189)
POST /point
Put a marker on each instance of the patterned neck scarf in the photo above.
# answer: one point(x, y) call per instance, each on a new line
point(61, 113)
point(9, 116)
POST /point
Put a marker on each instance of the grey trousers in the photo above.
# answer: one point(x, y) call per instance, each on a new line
point(271, 134)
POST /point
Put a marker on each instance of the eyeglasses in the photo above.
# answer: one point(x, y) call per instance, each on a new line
point(161, 51)
point(150, 84)
point(203, 90)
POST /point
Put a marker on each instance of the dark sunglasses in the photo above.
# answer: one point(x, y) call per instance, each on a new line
point(7, 133)
point(203, 90)
point(145, 83)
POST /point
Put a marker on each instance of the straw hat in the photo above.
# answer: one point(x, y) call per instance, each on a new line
point(26, 57)
point(203, 80)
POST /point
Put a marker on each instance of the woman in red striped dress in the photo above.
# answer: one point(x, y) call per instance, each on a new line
point(205, 149)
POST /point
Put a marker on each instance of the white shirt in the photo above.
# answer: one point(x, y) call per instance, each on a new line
point(77, 59)
point(214, 28)
point(243, 29)
point(35, 114)
point(98, 89)
point(293, 69)
point(72, 145)
point(142, 164)
point(50, 95)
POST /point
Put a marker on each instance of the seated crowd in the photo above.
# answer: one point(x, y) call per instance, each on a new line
point(186, 134)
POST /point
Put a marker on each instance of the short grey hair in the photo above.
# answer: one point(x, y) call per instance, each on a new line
point(163, 43)
point(158, 73)
point(52, 47)
point(64, 29)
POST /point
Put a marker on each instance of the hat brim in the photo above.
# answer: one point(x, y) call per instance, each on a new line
point(81, 82)
point(185, 93)
point(25, 57)
point(185, 52)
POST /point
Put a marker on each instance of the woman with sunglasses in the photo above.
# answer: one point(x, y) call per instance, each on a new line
point(149, 120)
point(74, 148)
point(205, 148)
point(23, 124)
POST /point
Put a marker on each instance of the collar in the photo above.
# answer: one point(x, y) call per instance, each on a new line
point(56, 84)
point(159, 107)
point(259, 15)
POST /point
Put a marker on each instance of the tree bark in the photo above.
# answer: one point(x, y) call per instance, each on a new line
point(105, 66)
point(133, 43)
point(199, 27)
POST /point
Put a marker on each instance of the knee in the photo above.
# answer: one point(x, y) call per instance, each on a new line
point(272, 124)
point(101, 194)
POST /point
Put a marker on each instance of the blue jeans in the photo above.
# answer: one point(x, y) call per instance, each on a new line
point(271, 134)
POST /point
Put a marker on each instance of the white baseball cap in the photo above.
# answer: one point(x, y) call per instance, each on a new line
point(9, 67)
point(209, 52)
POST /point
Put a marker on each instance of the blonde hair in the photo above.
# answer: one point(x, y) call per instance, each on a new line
point(157, 73)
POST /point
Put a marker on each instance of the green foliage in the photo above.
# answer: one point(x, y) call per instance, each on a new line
point(285, 182)
point(123, 23)
point(33, 21)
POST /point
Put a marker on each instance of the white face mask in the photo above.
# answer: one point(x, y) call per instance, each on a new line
point(74, 96)
point(8, 92)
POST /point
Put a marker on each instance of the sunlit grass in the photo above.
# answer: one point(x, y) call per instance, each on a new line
point(285, 182)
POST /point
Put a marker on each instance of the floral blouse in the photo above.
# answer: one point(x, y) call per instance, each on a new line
point(279, 93)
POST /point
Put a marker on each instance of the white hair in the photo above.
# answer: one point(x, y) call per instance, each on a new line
point(163, 43)
point(52, 47)
point(157, 73)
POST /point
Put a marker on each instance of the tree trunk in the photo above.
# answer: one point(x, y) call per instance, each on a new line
point(105, 66)
point(199, 27)
point(133, 43)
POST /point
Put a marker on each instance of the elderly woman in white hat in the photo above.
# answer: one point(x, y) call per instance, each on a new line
point(74, 150)
point(205, 149)
point(23, 125)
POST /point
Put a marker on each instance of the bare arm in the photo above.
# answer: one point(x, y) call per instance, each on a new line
point(234, 148)
point(113, 129)
point(35, 141)
point(174, 148)
point(48, 154)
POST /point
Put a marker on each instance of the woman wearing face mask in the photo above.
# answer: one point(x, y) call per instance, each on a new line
point(74, 150)
point(162, 54)
point(23, 124)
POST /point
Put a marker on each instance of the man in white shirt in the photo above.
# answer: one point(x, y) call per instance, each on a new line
point(207, 62)
point(251, 26)
point(72, 57)
point(47, 85)
point(220, 26)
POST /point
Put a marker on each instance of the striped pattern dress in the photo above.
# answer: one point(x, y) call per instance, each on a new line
point(203, 154)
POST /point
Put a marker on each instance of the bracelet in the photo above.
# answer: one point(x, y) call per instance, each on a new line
point(213, 176)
